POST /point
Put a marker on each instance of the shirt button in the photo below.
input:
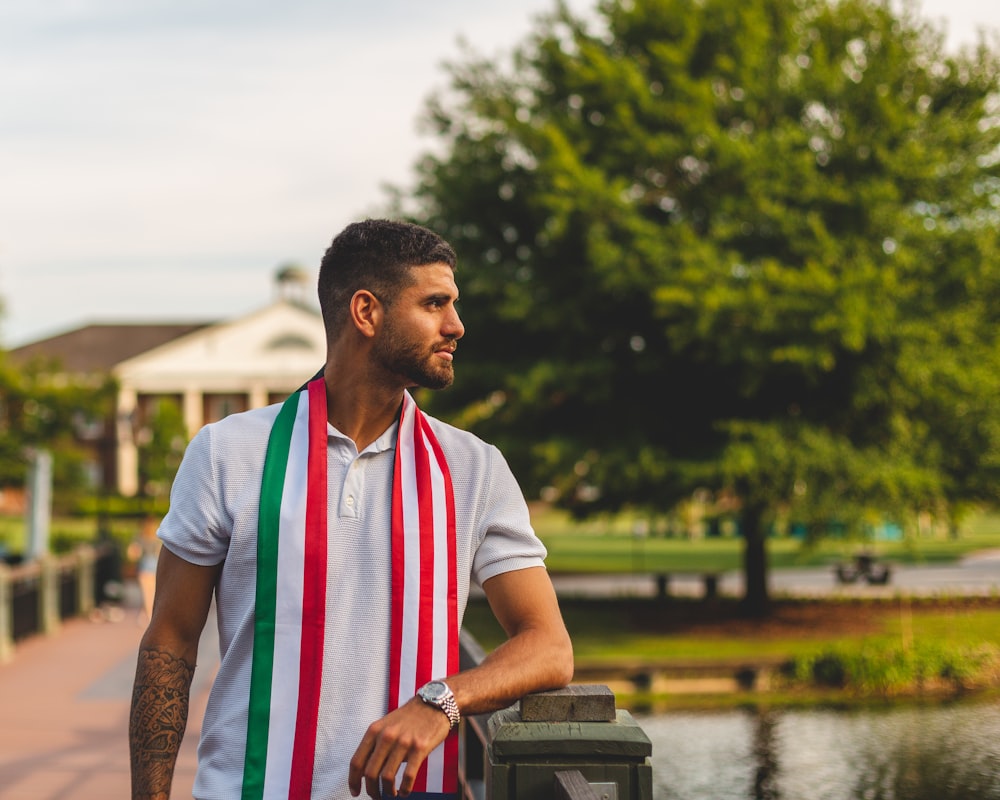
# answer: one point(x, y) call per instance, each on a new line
point(350, 502)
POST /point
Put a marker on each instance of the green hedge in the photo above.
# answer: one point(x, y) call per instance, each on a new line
point(878, 668)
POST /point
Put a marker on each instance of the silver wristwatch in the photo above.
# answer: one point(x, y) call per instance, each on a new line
point(437, 694)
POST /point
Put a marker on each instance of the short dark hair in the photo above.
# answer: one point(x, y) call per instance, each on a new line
point(375, 254)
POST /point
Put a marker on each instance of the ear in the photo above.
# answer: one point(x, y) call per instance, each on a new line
point(366, 312)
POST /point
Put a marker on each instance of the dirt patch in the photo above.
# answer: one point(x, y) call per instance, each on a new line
point(786, 621)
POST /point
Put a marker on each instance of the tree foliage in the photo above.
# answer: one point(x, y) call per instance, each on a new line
point(39, 410)
point(749, 247)
point(161, 447)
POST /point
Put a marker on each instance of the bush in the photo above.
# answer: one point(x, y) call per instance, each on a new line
point(882, 669)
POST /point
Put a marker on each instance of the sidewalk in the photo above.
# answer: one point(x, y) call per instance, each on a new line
point(64, 708)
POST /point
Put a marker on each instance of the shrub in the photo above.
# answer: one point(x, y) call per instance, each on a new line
point(883, 669)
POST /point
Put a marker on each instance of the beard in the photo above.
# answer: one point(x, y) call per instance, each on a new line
point(414, 361)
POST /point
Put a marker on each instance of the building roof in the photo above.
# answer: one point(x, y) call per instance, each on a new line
point(99, 347)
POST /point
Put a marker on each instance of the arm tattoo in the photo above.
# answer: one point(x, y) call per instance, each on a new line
point(159, 716)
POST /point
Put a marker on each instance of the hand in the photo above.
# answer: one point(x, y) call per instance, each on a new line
point(407, 734)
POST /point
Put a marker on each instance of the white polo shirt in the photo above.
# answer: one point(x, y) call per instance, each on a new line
point(213, 518)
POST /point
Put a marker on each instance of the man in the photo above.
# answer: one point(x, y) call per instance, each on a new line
point(339, 532)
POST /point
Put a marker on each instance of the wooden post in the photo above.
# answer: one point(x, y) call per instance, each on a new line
point(48, 595)
point(571, 785)
point(572, 729)
point(85, 565)
point(6, 614)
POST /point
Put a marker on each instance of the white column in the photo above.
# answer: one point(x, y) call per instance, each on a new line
point(194, 410)
point(127, 452)
point(257, 396)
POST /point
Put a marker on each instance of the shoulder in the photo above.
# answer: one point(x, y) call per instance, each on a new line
point(481, 464)
point(460, 442)
point(245, 427)
point(236, 438)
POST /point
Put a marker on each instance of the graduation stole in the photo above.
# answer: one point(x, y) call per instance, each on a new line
point(290, 612)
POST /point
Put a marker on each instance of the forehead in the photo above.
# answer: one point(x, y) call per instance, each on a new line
point(427, 279)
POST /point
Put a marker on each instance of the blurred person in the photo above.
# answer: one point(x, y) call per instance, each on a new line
point(340, 532)
point(145, 552)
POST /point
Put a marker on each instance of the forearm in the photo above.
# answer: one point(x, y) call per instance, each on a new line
point(531, 661)
point(158, 718)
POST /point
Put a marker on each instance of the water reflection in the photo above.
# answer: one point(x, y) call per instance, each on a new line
point(922, 753)
point(765, 779)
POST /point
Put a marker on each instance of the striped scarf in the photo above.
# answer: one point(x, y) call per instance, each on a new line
point(289, 625)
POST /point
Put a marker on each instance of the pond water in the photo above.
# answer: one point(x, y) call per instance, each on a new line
point(935, 752)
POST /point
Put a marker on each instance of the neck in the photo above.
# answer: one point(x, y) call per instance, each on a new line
point(357, 406)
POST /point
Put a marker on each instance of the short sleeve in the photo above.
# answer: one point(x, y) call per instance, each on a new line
point(507, 539)
point(196, 528)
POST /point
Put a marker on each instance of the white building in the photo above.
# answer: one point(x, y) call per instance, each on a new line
point(209, 369)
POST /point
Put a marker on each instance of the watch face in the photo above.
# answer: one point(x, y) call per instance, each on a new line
point(434, 690)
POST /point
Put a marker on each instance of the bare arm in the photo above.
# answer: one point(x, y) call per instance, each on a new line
point(166, 663)
point(537, 655)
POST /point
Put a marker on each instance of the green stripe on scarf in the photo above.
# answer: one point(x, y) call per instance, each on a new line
point(272, 486)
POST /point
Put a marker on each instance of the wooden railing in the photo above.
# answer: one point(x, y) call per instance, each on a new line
point(36, 596)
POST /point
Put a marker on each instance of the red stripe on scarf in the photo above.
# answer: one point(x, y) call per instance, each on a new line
point(449, 499)
point(398, 567)
point(313, 597)
point(425, 508)
point(451, 743)
point(425, 498)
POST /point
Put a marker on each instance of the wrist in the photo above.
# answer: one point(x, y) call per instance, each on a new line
point(439, 695)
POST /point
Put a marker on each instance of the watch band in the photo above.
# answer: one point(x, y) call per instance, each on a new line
point(439, 695)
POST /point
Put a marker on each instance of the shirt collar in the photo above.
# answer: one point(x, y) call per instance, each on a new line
point(387, 441)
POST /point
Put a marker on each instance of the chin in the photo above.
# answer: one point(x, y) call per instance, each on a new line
point(438, 381)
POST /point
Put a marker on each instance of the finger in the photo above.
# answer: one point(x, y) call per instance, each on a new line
point(359, 761)
point(383, 763)
point(390, 769)
point(410, 774)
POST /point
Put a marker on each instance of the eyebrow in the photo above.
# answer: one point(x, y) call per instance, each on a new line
point(441, 296)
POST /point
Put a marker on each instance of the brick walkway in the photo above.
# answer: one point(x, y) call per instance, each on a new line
point(64, 703)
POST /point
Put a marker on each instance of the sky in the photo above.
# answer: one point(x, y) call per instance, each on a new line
point(160, 160)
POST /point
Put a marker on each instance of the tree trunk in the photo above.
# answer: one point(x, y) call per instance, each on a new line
point(756, 601)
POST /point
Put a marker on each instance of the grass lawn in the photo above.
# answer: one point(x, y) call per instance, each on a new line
point(609, 546)
point(632, 629)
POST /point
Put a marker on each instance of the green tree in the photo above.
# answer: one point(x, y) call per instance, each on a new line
point(161, 446)
point(748, 247)
point(41, 410)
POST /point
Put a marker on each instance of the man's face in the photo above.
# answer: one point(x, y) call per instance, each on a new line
point(421, 329)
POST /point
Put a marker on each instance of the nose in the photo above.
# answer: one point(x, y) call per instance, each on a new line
point(453, 327)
